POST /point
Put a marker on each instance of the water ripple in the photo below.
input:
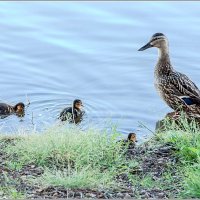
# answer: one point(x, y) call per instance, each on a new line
point(52, 53)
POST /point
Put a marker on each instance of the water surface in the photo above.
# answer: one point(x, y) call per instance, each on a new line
point(54, 52)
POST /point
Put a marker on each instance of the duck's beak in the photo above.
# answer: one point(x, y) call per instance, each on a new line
point(148, 45)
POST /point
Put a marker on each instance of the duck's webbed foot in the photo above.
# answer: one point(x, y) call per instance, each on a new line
point(176, 115)
point(173, 115)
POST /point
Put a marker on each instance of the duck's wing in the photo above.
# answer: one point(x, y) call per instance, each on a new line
point(4, 109)
point(66, 114)
point(187, 90)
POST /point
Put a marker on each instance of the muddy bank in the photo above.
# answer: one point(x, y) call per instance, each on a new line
point(154, 161)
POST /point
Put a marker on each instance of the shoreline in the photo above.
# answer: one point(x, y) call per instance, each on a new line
point(154, 169)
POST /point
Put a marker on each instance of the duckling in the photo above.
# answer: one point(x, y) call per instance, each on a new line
point(73, 114)
point(131, 140)
point(175, 88)
point(6, 109)
point(132, 137)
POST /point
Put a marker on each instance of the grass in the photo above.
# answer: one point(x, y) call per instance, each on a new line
point(84, 178)
point(70, 157)
point(185, 136)
point(11, 192)
point(146, 181)
point(92, 159)
point(192, 182)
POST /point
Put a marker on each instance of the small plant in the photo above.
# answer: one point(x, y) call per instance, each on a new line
point(14, 194)
point(11, 193)
point(184, 135)
point(13, 165)
point(84, 178)
point(192, 181)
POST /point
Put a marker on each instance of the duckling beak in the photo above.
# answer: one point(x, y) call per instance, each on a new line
point(148, 45)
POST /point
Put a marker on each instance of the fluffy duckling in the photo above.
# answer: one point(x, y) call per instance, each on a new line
point(132, 137)
point(6, 109)
point(73, 114)
point(131, 140)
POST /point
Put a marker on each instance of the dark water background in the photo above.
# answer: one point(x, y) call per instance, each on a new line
point(54, 52)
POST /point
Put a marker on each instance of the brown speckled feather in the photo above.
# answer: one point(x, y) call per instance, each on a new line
point(175, 88)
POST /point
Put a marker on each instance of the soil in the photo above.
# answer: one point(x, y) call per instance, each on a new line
point(153, 161)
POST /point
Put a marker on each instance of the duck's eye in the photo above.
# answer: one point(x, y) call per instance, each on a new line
point(155, 39)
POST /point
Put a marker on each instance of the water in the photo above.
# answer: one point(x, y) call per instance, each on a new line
point(54, 52)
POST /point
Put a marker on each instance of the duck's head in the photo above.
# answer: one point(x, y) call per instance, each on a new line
point(158, 40)
point(132, 137)
point(19, 108)
point(77, 104)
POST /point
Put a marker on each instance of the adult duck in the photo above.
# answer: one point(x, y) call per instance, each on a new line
point(175, 88)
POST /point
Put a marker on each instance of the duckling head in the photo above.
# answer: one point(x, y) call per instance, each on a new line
point(77, 104)
point(132, 137)
point(19, 108)
point(158, 40)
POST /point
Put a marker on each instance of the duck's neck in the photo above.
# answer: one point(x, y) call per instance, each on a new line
point(163, 65)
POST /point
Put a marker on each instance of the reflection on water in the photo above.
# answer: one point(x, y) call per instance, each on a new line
point(55, 52)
